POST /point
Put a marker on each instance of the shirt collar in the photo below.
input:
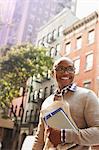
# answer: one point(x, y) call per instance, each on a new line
point(72, 87)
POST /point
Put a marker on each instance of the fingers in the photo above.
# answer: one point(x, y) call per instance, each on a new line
point(48, 131)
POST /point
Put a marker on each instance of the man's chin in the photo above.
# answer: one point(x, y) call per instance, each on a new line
point(65, 83)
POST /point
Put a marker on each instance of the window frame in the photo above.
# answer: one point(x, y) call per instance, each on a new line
point(77, 69)
point(68, 47)
point(79, 42)
point(87, 63)
point(91, 38)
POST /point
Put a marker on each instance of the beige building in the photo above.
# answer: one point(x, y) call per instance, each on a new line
point(51, 34)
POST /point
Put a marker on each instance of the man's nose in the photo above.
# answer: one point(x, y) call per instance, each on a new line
point(66, 72)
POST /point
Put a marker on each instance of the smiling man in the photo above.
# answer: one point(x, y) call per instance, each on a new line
point(63, 72)
point(84, 109)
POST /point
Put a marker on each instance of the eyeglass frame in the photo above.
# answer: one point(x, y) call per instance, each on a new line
point(63, 69)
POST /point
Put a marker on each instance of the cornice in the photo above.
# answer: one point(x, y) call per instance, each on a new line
point(81, 23)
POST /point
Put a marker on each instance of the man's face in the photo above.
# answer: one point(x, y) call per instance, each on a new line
point(64, 73)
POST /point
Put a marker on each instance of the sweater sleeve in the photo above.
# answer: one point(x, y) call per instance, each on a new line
point(90, 135)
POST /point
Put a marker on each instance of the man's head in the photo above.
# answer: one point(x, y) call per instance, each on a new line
point(63, 71)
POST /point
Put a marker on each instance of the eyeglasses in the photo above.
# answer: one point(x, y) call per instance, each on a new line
point(61, 69)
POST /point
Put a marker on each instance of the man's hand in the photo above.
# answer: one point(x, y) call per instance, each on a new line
point(54, 135)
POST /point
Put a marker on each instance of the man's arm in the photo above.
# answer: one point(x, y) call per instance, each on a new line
point(39, 137)
point(88, 136)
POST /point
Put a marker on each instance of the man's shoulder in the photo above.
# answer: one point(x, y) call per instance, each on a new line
point(85, 91)
point(48, 101)
point(82, 89)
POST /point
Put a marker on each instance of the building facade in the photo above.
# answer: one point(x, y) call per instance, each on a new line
point(51, 34)
point(81, 44)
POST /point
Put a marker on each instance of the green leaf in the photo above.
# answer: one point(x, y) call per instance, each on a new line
point(20, 63)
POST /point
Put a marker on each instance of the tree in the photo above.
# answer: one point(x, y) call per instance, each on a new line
point(20, 63)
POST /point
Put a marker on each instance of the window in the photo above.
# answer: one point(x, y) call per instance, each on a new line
point(31, 98)
point(87, 84)
point(39, 42)
point(41, 93)
point(31, 114)
point(45, 92)
point(54, 34)
point(91, 36)
point(26, 116)
point(48, 74)
point(35, 96)
point(60, 31)
point(30, 27)
point(52, 89)
point(77, 65)
point(20, 111)
point(15, 109)
point(89, 61)
point(79, 42)
point(36, 116)
point(68, 48)
point(57, 49)
point(31, 92)
point(31, 88)
point(49, 37)
point(52, 52)
point(45, 41)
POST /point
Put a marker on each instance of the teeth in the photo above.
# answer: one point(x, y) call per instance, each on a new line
point(65, 78)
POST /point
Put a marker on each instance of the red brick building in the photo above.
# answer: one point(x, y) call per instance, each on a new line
point(81, 43)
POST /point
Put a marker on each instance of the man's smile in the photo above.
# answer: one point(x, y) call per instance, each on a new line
point(65, 78)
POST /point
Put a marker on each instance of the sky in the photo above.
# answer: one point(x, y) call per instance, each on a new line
point(86, 7)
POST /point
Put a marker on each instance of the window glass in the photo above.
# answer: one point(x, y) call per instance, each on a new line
point(89, 61)
point(31, 114)
point(52, 89)
point(30, 27)
point(41, 93)
point(44, 40)
point(45, 92)
point(77, 65)
point(35, 95)
point(91, 37)
point(49, 37)
point(49, 74)
point(37, 115)
point(79, 42)
point(87, 85)
point(52, 52)
point(60, 31)
point(68, 48)
point(55, 34)
point(26, 116)
point(57, 49)
point(39, 42)
point(31, 97)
